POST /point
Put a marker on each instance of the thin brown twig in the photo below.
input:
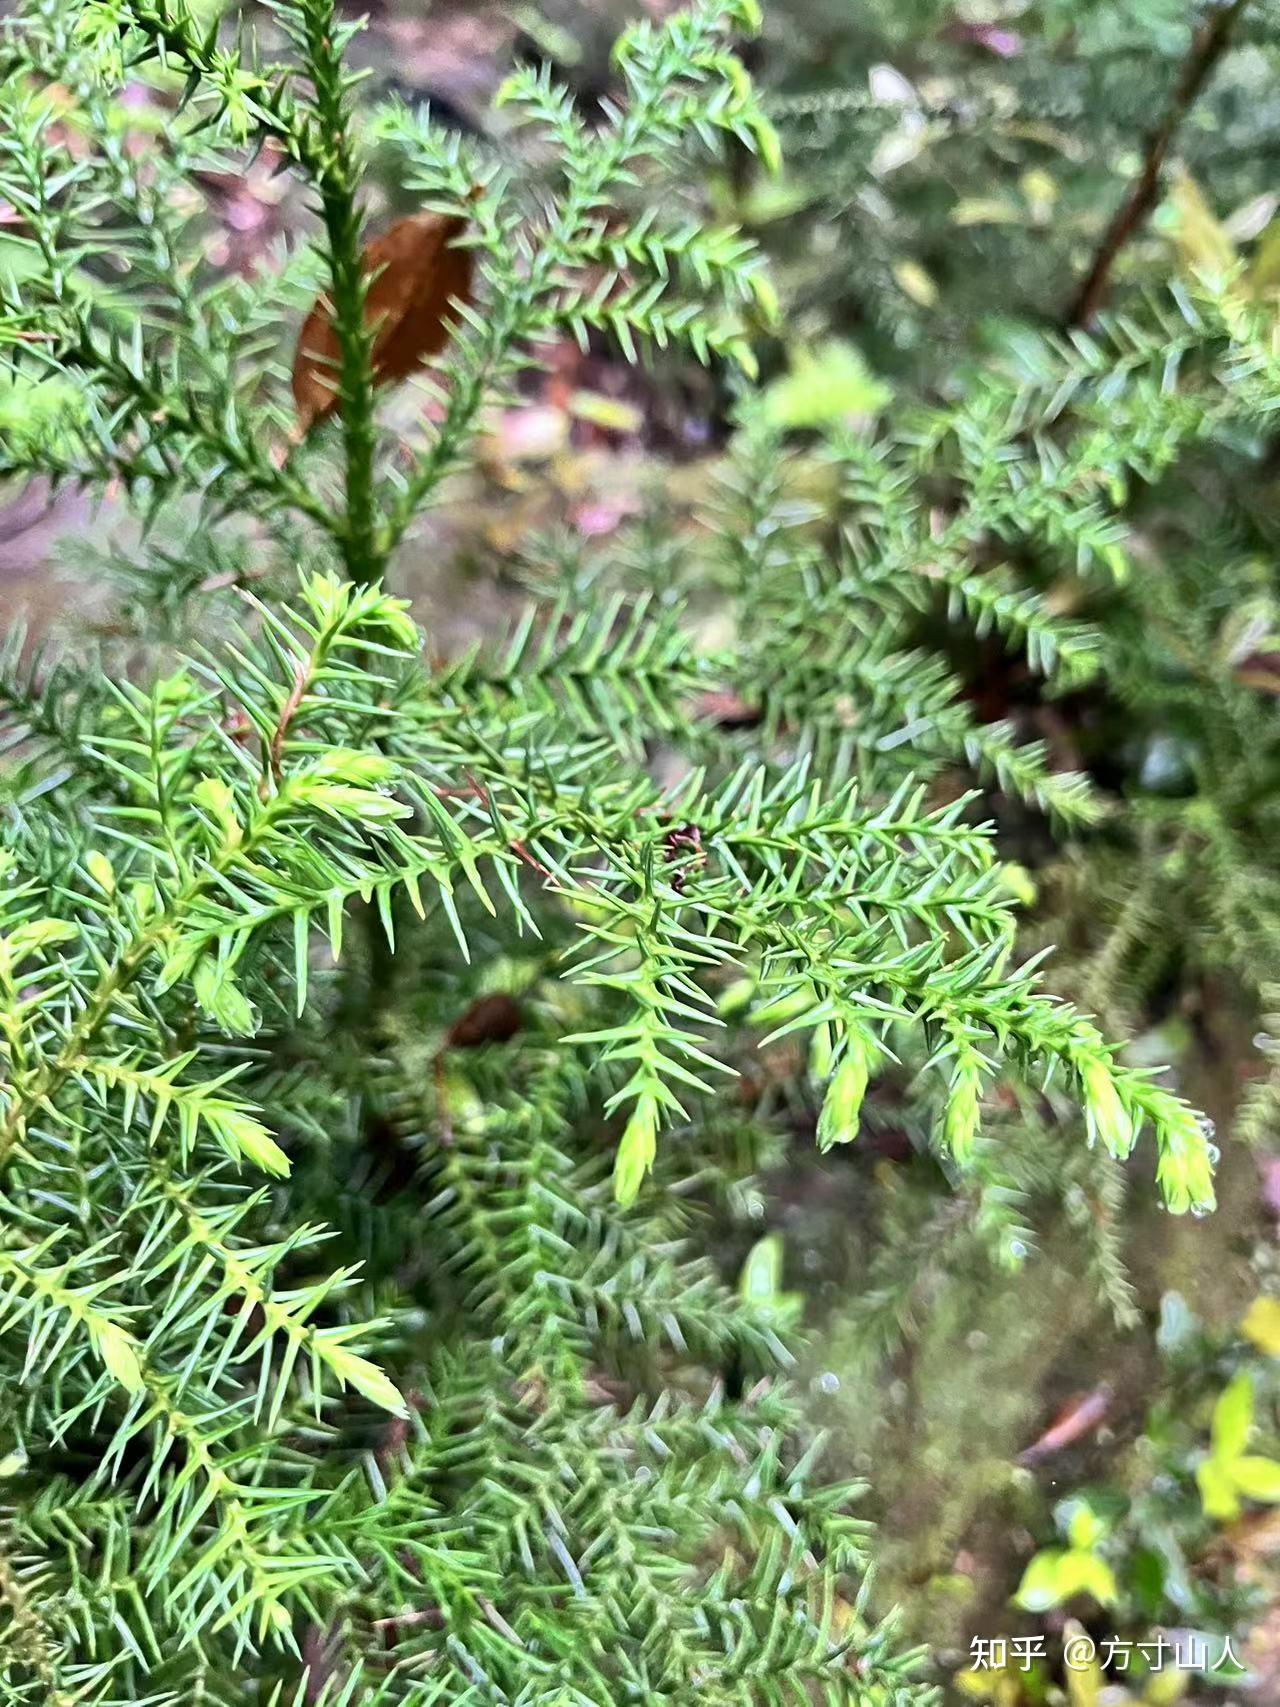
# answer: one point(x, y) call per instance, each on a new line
point(442, 1098)
point(1207, 47)
point(477, 791)
point(275, 755)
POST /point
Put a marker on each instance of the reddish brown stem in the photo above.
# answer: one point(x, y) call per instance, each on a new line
point(275, 754)
point(442, 1100)
point(1207, 47)
point(477, 791)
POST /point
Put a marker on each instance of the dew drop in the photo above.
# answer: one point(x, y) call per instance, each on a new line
point(1017, 1248)
point(829, 1382)
point(1199, 1211)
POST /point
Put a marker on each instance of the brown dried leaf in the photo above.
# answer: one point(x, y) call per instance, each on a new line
point(1260, 671)
point(416, 271)
point(494, 1018)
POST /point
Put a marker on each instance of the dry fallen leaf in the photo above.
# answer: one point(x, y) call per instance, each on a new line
point(417, 272)
point(495, 1018)
point(1260, 671)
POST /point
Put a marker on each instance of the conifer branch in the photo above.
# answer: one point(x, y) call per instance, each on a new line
point(413, 1392)
point(336, 173)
